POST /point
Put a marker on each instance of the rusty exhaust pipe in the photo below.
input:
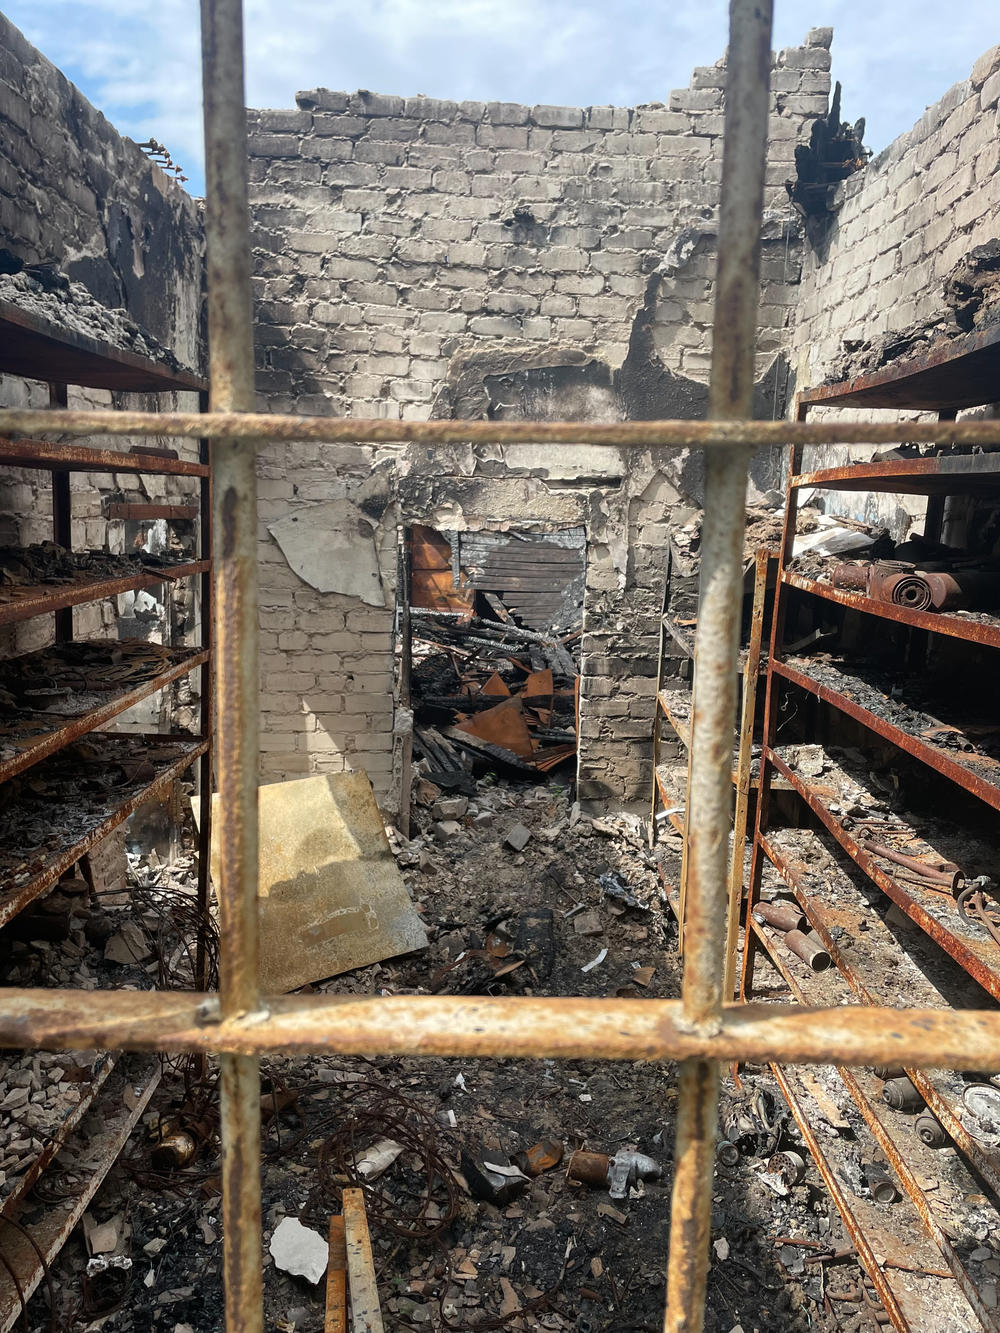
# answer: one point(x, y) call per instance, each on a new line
point(809, 948)
point(783, 916)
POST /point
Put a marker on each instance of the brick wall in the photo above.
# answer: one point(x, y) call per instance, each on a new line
point(76, 195)
point(899, 228)
point(415, 257)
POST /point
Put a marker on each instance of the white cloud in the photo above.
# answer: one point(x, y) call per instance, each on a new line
point(139, 62)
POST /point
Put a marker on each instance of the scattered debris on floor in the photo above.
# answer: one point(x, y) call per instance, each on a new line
point(470, 1170)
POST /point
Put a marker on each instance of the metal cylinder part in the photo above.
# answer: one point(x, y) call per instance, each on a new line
point(853, 578)
point(945, 873)
point(909, 590)
point(781, 915)
point(790, 1166)
point(887, 1072)
point(727, 1153)
point(901, 1095)
point(173, 1151)
point(929, 1130)
point(589, 1168)
point(972, 589)
point(809, 948)
point(541, 1156)
point(882, 1186)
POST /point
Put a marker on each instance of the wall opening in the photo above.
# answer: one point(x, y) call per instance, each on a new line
point(489, 651)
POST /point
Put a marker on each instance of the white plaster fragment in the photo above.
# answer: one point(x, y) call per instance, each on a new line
point(299, 1250)
point(331, 546)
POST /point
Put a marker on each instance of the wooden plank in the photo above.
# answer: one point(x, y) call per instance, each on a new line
point(336, 1280)
point(366, 1312)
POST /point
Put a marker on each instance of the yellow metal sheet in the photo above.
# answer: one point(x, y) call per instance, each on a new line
point(331, 897)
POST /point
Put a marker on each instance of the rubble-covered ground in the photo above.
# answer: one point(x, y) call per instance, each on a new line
point(555, 1255)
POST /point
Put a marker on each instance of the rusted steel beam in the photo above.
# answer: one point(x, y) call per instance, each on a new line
point(40, 600)
point(528, 1028)
point(979, 957)
point(934, 756)
point(720, 603)
point(911, 475)
point(746, 435)
point(143, 513)
point(234, 600)
point(81, 458)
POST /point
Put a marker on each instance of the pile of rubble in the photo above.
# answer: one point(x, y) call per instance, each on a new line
point(487, 692)
point(515, 1194)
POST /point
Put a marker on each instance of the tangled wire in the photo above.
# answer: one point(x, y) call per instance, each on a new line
point(418, 1198)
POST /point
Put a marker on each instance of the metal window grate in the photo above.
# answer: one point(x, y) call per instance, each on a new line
point(699, 1030)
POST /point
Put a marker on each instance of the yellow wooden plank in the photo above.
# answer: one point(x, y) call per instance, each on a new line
point(366, 1313)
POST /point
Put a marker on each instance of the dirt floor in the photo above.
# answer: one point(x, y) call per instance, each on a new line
point(555, 1255)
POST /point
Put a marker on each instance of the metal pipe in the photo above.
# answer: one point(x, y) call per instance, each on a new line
point(748, 436)
point(716, 649)
point(781, 915)
point(234, 532)
point(529, 1028)
point(809, 948)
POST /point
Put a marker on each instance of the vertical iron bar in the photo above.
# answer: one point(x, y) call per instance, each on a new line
point(234, 545)
point(62, 518)
point(207, 685)
point(716, 647)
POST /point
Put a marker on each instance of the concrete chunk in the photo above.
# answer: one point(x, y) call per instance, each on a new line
point(298, 1250)
point(518, 837)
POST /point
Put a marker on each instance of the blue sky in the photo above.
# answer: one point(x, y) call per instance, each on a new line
point(138, 59)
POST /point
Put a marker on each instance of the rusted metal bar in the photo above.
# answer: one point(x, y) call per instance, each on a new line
point(751, 679)
point(748, 436)
point(234, 544)
point(80, 458)
point(716, 649)
point(143, 513)
point(206, 710)
point(521, 1027)
point(936, 757)
point(62, 517)
point(919, 476)
point(40, 600)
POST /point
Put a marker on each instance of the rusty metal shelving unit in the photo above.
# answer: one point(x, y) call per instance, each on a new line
point(111, 1103)
point(961, 376)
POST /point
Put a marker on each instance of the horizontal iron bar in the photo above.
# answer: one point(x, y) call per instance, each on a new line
point(570, 1029)
point(619, 434)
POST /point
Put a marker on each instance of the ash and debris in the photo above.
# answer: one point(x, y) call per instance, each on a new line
point(557, 1256)
point(964, 725)
point(971, 295)
point(48, 295)
point(46, 564)
point(55, 804)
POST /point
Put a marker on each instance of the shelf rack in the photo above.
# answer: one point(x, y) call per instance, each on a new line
point(850, 898)
point(109, 1107)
